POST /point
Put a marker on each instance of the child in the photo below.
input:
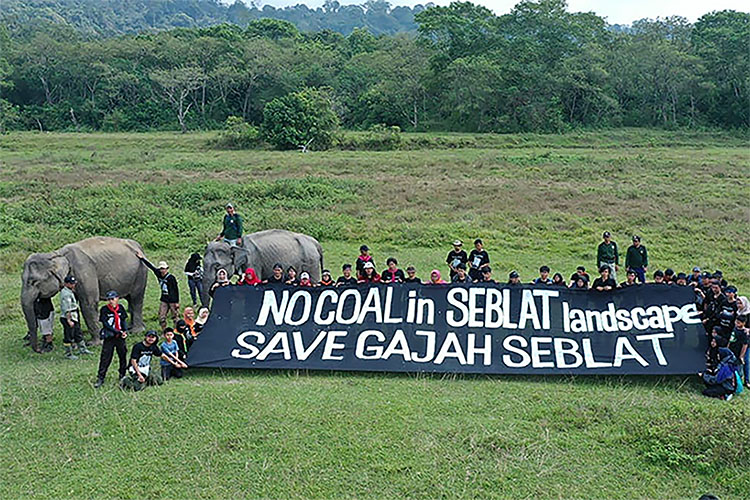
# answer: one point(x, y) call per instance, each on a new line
point(326, 280)
point(478, 259)
point(364, 258)
point(455, 257)
point(393, 274)
point(171, 364)
point(347, 279)
point(44, 312)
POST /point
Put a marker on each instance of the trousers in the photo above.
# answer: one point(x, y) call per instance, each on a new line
point(109, 346)
point(71, 334)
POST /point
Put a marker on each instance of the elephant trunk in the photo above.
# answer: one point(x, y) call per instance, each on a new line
point(27, 304)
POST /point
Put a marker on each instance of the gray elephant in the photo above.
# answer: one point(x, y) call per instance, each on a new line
point(99, 264)
point(261, 251)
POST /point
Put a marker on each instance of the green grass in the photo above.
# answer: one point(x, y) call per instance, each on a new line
point(533, 199)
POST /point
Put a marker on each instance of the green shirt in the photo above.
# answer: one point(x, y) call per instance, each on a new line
point(232, 227)
point(68, 304)
point(607, 253)
point(636, 257)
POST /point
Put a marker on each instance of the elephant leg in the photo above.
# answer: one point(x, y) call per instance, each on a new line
point(135, 304)
point(91, 317)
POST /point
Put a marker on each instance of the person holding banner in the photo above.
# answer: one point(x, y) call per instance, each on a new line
point(393, 274)
point(304, 280)
point(460, 275)
point(604, 283)
point(411, 275)
point(629, 279)
point(291, 276)
point(326, 280)
point(347, 279)
point(277, 278)
point(222, 279)
point(514, 278)
point(369, 274)
point(436, 279)
point(543, 278)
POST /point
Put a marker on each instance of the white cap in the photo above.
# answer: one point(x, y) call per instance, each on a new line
point(304, 275)
point(163, 265)
point(369, 265)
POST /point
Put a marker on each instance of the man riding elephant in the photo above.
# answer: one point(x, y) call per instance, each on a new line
point(99, 264)
point(261, 251)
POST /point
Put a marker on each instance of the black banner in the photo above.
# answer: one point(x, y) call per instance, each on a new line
point(648, 329)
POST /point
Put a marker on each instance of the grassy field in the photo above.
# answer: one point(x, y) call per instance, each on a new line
point(533, 199)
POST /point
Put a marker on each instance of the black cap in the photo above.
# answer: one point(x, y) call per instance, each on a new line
point(151, 333)
point(364, 248)
point(630, 271)
point(513, 274)
point(636, 237)
point(730, 289)
point(607, 234)
point(278, 266)
point(112, 295)
point(71, 280)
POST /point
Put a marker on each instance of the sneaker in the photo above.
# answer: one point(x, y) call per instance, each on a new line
point(99, 382)
point(728, 397)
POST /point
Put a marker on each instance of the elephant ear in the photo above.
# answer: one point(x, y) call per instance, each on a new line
point(239, 259)
point(80, 264)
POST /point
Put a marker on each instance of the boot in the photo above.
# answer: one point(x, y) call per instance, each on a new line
point(82, 349)
point(47, 346)
point(69, 352)
point(99, 382)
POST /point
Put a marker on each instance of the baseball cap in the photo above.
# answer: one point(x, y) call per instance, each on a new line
point(730, 289)
point(368, 265)
point(70, 279)
point(636, 237)
point(696, 269)
point(607, 234)
point(364, 248)
point(326, 271)
point(162, 265)
point(630, 271)
point(112, 295)
point(304, 275)
point(228, 205)
point(457, 243)
point(278, 266)
point(513, 274)
point(151, 333)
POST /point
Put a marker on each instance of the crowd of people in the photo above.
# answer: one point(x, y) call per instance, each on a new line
point(725, 315)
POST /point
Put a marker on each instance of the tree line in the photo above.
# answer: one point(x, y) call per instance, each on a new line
point(537, 68)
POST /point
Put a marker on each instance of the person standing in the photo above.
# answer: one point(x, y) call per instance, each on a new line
point(637, 259)
point(478, 259)
point(232, 227)
point(364, 258)
point(70, 320)
point(44, 312)
point(113, 318)
point(455, 257)
point(606, 254)
point(194, 273)
point(170, 293)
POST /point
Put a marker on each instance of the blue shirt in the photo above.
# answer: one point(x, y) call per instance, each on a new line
point(170, 349)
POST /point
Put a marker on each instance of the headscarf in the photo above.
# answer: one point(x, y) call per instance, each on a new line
point(202, 316)
point(250, 277)
point(439, 281)
point(743, 306)
point(220, 280)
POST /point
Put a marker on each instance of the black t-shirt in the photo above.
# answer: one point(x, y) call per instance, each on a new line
point(412, 280)
point(737, 340)
point(344, 281)
point(625, 284)
point(727, 315)
point(275, 281)
point(142, 353)
point(385, 276)
point(600, 282)
point(43, 308)
point(454, 258)
point(478, 258)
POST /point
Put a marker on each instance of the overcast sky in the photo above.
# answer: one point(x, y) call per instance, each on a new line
point(615, 11)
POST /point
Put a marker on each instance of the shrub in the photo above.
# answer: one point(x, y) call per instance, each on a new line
point(237, 134)
point(300, 120)
point(377, 138)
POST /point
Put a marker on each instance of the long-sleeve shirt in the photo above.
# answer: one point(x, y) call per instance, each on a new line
point(113, 322)
point(636, 257)
point(170, 293)
point(232, 227)
point(607, 252)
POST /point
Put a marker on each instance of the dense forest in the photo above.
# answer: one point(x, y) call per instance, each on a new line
point(118, 17)
point(537, 68)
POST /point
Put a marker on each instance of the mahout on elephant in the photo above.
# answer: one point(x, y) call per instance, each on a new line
point(99, 264)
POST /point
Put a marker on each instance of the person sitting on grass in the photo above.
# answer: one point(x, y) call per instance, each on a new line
point(171, 364)
point(249, 277)
point(304, 279)
point(364, 258)
point(393, 274)
point(369, 274)
point(346, 279)
point(183, 338)
point(543, 278)
point(326, 280)
point(478, 258)
point(604, 282)
point(435, 278)
point(188, 316)
point(723, 384)
point(291, 276)
point(411, 276)
point(558, 281)
point(140, 374)
point(455, 257)
point(222, 279)
point(629, 279)
point(277, 278)
point(514, 279)
point(460, 276)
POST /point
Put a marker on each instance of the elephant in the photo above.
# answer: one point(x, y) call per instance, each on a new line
point(99, 264)
point(261, 251)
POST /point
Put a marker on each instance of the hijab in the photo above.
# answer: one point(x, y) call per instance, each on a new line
point(250, 278)
point(439, 281)
point(190, 322)
point(202, 316)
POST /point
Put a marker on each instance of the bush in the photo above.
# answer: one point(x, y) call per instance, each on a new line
point(377, 138)
point(237, 134)
point(303, 120)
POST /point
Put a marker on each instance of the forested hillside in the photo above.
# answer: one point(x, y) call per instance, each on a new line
point(537, 68)
point(115, 17)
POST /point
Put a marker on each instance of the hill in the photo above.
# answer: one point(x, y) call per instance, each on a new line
point(115, 17)
point(535, 199)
